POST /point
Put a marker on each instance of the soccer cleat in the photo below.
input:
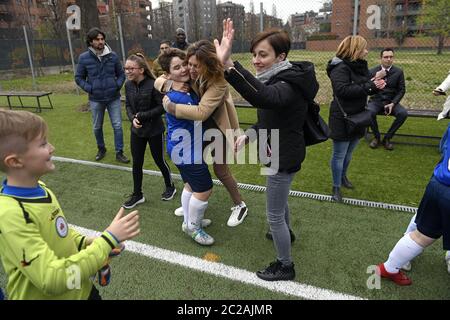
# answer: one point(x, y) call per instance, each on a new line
point(238, 214)
point(276, 271)
point(169, 193)
point(407, 266)
point(399, 278)
point(202, 238)
point(133, 201)
point(178, 212)
point(104, 276)
point(205, 223)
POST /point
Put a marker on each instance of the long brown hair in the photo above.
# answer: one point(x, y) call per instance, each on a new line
point(140, 59)
point(211, 69)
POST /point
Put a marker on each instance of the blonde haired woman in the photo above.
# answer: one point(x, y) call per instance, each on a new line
point(351, 85)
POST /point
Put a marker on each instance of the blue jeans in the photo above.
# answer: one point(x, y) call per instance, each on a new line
point(115, 115)
point(342, 155)
point(277, 194)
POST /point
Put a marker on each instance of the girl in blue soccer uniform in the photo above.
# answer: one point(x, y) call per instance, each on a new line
point(432, 220)
point(184, 145)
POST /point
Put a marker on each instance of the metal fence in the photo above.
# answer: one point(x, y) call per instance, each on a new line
point(316, 31)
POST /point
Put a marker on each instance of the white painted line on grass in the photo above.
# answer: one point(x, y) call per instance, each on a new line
point(221, 270)
point(251, 187)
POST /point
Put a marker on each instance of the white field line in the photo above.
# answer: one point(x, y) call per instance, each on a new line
point(221, 270)
point(301, 194)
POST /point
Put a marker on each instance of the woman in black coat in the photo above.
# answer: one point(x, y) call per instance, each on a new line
point(144, 109)
point(281, 91)
point(351, 84)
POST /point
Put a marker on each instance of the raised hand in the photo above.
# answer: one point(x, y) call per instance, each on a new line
point(125, 227)
point(223, 48)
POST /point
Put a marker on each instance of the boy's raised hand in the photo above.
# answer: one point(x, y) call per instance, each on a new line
point(125, 227)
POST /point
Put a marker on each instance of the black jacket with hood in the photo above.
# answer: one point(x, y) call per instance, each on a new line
point(282, 104)
point(351, 84)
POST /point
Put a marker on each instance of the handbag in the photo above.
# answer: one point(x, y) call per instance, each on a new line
point(356, 121)
point(315, 129)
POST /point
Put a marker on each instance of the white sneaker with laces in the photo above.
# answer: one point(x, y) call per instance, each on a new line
point(178, 212)
point(205, 223)
point(238, 214)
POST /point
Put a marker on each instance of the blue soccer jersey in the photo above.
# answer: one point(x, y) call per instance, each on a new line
point(184, 137)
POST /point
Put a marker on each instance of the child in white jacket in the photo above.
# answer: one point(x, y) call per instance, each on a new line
point(440, 90)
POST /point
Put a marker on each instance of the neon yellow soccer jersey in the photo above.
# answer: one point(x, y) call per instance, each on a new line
point(43, 257)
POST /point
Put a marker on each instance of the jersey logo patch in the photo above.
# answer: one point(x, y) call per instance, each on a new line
point(61, 227)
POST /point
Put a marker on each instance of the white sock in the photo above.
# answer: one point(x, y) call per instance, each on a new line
point(185, 198)
point(412, 226)
point(197, 210)
point(405, 250)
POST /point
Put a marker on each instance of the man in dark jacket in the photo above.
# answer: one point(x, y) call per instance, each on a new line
point(101, 75)
point(388, 100)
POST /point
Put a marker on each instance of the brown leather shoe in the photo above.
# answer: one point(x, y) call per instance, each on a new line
point(388, 145)
point(374, 143)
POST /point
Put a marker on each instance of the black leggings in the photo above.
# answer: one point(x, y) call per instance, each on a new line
point(138, 146)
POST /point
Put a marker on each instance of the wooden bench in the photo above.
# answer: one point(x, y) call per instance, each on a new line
point(411, 113)
point(415, 113)
point(27, 94)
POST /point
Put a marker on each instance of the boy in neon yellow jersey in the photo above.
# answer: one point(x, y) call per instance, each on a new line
point(42, 256)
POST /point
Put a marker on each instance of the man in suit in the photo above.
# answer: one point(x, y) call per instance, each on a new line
point(388, 100)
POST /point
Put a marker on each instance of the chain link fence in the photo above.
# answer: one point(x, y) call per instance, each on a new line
point(418, 31)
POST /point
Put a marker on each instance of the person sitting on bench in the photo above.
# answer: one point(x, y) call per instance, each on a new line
point(388, 100)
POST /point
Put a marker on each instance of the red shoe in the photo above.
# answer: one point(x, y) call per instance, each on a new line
point(399, 278)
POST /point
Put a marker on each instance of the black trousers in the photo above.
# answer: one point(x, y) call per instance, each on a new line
point(138, 146)
point(399, 112)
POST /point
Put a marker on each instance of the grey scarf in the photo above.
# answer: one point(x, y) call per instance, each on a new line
point(273, 70)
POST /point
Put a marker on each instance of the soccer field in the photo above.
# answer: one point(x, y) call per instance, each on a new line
point(335, 246)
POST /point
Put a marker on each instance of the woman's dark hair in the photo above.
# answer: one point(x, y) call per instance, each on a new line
point(92, 34)
point(166, 58)
point(140, 59)
point(277, 38)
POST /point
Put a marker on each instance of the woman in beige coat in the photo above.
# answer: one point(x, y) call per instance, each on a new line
point(216, 110)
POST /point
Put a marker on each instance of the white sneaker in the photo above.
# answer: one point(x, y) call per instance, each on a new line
point(205, 223)
point(201, 237)
point(178, 212)
point(407, 266)
point(238, 214)
point(447, 260)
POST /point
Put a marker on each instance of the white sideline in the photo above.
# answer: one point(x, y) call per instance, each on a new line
point(251, 187)
point(221, 270)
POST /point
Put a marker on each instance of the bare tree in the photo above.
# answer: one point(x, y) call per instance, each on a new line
point(89, 15)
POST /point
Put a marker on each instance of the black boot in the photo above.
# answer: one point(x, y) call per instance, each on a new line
point(346, 183)
point(100, 154)
point(337, 196)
